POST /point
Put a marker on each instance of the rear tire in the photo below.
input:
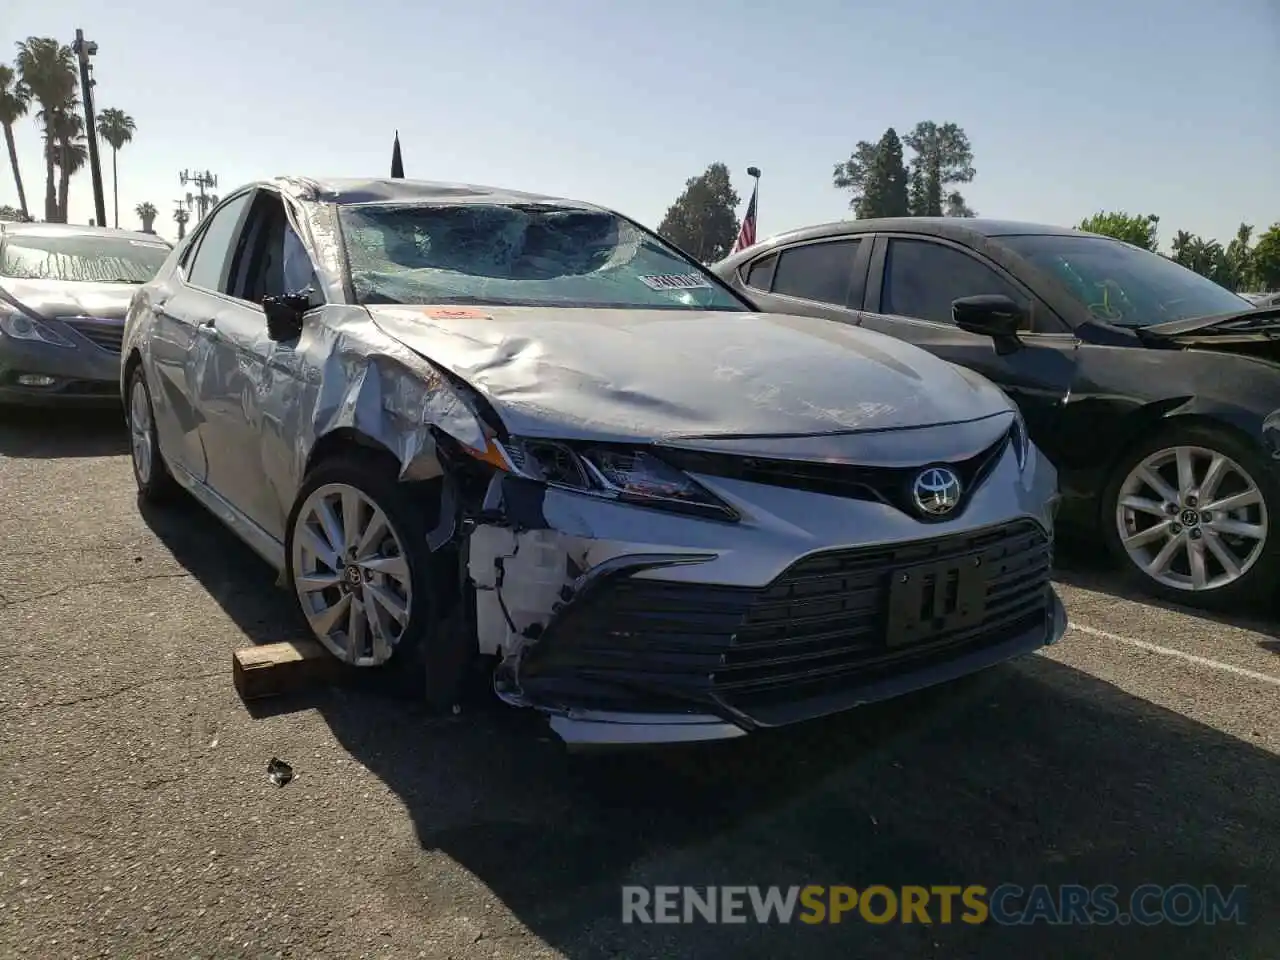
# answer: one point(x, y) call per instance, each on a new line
point(155, 483)
point(377, 597)
point(1188, 514)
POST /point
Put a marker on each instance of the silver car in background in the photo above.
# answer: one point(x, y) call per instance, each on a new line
point(64, 291)
point(470, 425)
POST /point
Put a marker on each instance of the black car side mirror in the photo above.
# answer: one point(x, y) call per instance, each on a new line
point(284, 315)
point(991, 315)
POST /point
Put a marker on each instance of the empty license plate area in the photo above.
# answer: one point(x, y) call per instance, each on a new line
point(933, 598)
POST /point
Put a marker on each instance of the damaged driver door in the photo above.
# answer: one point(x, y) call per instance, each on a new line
point(250, 376)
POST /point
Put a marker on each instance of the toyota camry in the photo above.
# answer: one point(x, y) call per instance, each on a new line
point(473, 428)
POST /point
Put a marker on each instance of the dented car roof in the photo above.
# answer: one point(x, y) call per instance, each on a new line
point(345, 191)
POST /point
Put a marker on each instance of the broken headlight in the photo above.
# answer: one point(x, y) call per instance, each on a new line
point(615, 473)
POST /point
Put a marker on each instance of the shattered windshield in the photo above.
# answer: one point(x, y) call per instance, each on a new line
point(85, 257)
point(1122, 284)
point(522, 255)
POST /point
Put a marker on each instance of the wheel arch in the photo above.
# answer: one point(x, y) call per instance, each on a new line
point(1164, 416)
point(343, 440)
point(131, 363)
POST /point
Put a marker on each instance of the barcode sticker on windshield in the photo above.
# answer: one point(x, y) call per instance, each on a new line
point(676, 281)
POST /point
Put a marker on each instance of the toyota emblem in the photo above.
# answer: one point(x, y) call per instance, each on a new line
point(936, 491)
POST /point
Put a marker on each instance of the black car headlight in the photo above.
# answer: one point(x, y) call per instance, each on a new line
point(626, 474)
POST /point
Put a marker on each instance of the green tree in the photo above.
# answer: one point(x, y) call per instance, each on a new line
point(852, 174)
point(47, 69)
point(117, 128)
point(70, 151)
point(11, 213)
point(1240, 258)
point(1136, 229)
point(147, 213)
point(1266, 259)
point(702, 222)
point(15, 99)
point(885, 188)
point(956, 207)
point(943, 158)
point(1180, 248)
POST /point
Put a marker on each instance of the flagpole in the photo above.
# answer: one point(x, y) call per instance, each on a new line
point(754, 173)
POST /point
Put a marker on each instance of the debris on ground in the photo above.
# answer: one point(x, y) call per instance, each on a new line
point(279, 772)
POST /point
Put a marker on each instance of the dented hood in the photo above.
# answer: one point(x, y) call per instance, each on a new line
point(64, 298)
point(661, 374)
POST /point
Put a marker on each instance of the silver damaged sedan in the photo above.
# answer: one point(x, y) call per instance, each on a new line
point(478, 428)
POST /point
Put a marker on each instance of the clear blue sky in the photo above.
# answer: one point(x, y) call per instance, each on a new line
point(1163, 106)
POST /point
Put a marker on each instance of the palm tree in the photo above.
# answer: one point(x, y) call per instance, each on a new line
point(147, 213)
point(117, 128)
point(68, 148)
point(47, 69)
point(14, 100)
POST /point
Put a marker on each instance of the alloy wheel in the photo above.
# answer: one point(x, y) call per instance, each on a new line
point(351, 574)
point(1191, 518)
point(140, 429)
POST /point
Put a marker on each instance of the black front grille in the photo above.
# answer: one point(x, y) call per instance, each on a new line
point(826, 619)
point(107, 334)
point(821, 627)
point(891, 485)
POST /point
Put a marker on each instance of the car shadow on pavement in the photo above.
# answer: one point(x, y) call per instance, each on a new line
point(32, 433)
point(1032, 773)
point(1088, 567)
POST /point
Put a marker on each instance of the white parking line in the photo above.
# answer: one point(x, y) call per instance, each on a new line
point(1178, 654)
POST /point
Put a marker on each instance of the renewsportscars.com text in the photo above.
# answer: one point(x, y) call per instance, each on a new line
point(1008, 904)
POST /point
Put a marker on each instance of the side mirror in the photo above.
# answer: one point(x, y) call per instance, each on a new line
point(991, 315)
point(284, 315)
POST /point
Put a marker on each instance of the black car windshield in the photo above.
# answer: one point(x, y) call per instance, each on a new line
point(81, 257)
point(520, 255)
point(1122, 284)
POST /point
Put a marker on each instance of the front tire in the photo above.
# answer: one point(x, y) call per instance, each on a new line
point(366, 582)
point(1188, 514)
point(155, 483)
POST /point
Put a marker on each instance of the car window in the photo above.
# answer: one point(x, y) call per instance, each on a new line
point(271, 260)
point(922, 278)
point(81, 257)
point(1122, 284)
point(206, 268)
point(760, 276)
point(518, 254)
point(822, 272)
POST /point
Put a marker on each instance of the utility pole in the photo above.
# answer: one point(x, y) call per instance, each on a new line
point(180, 217)
point(84, 49)
point(201, 180)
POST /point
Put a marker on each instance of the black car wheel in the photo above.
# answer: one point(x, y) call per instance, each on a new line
point(155, 483)
point(1188, 513)
point(365, 580)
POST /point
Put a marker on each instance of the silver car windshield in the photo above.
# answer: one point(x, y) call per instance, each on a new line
point(85, 258)
point(522, 255)
point(1123, 285)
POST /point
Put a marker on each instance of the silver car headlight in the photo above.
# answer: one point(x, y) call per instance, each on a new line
point(1021, 439)
point(21, 327)
point(626, 474)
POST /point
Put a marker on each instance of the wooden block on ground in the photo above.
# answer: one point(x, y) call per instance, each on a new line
point(280, 668)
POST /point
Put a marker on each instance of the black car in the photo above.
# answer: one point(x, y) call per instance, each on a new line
point(1154, 391)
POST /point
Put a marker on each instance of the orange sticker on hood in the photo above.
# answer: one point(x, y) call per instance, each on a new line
point(455, 313)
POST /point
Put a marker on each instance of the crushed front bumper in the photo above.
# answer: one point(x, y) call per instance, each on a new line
point(642, 660)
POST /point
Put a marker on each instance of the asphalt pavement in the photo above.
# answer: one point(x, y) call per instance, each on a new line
point(139, 820)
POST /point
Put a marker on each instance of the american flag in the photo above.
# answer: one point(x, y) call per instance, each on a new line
point(747, 235)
